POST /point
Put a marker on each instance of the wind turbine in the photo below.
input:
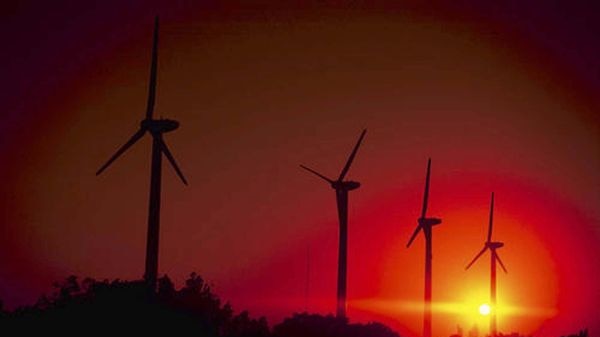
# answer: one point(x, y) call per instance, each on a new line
point(156, 128)
point(426, 224)
point(492, 246)
point(342, 188)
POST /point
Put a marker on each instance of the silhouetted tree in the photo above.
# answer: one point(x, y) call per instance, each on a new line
point(244, 326)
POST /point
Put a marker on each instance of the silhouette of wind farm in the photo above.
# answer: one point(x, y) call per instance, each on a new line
point(154, 305)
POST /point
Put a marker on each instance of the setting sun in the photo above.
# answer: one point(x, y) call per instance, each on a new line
point(484, 309)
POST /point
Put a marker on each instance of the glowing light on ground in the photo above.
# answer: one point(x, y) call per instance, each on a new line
point(471, 312)
point(485, 309)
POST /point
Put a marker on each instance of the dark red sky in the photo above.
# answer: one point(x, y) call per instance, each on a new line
point(502, 97)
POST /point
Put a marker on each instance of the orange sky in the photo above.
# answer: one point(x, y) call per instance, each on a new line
point(259, 92)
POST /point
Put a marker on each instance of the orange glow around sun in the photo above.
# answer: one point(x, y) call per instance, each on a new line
point(524, 302)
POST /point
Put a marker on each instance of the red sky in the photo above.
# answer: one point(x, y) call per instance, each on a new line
point(502, 97)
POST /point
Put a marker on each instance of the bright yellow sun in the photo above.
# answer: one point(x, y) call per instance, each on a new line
point(484, 309)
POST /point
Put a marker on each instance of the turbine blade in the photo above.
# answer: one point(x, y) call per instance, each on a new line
point(165, 150)
point(476, 257)
point(152, 85)
point(317, 174)
point(500, 261)
point(489, 236)
point(426, 194)
point(414, 235)
point(136, 136)
point(351, 158)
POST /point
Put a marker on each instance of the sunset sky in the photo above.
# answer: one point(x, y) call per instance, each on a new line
point(503, 98)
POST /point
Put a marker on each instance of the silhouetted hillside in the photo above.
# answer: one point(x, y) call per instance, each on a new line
point(115, 308)
point(103, 307)
point(582, 333)
point(93, 307)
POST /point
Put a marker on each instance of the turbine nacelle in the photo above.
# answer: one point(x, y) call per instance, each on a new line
point(423, 222)
point(494, 245)
point(156, 126)
point(345, 185)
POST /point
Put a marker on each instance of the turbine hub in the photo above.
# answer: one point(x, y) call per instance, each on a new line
point(159, 125)
point(345, 185)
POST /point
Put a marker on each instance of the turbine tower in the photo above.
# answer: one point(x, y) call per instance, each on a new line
point(342, 188)
point(426, 224)
point(492, 246)
point(156, 128)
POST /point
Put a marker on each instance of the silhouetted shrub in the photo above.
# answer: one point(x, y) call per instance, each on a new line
point(304, 324)
point(581, 333)
point(514, 334)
